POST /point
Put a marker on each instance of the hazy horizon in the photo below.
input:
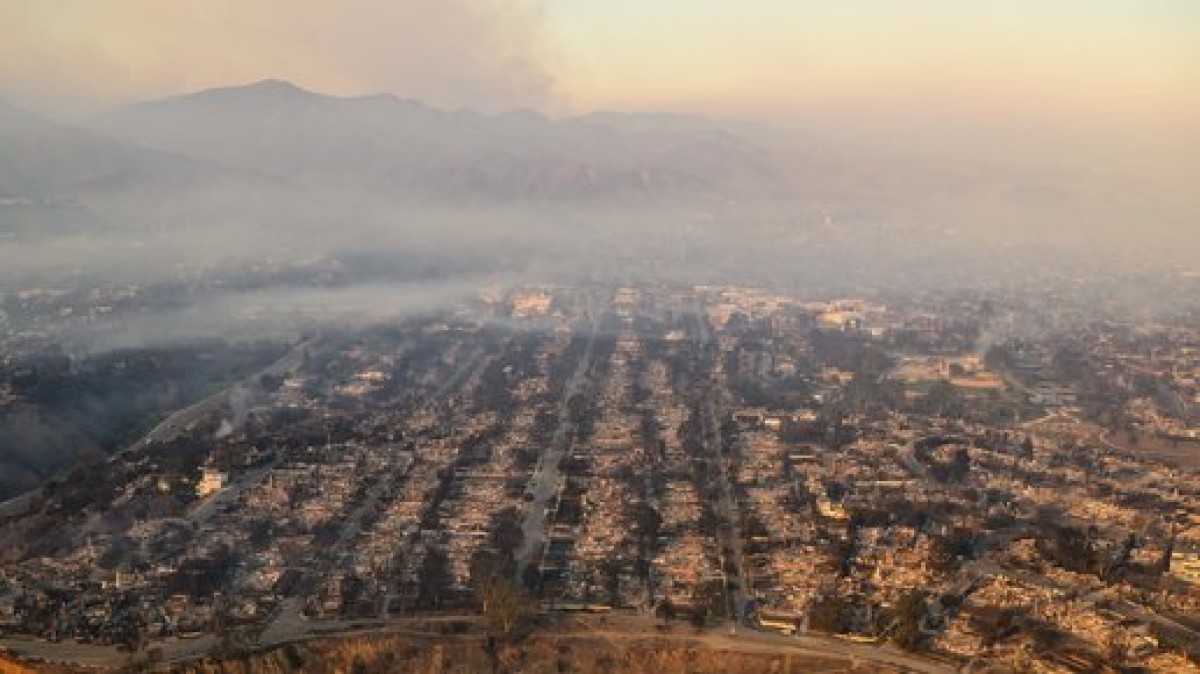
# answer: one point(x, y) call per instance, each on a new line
point(862, 142)
point(1114, 81)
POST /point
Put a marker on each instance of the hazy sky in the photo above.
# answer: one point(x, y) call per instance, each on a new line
point(1128, 65)
point(790, 53)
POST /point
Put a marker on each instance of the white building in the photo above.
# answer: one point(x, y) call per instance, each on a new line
point(211, 480)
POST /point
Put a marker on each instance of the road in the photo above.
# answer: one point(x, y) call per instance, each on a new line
point(210, 505)
point(18, 506)
point(207, 507)
point(730, 536)
point(460, 373)
point(622, 627)
point(175, 423)
point(547, 477)
point(869, 653)
point(909, 457)
point(181, 420)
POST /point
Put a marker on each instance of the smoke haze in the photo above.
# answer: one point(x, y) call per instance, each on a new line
point(80, 54)
point(269, 149)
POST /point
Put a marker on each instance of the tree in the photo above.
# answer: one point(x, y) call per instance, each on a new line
point(909, 614)
point(699, 616)
point(1045, 636)
point(665, 611)
point(505, 532)
point(1164, 561)
point(260, 532)
point(1069, 362)
point(830, 613)
point(504, 605)
point(352, 590)
point(119, 552)
point(1070, 548)
point(998, 358)
point(434, 578)
point(611, 568)
point(487, 566)
point(708, 601)
point(947, 552)
point(647, 522)
point(960, 465)
point(531, 577)
point(943, 399)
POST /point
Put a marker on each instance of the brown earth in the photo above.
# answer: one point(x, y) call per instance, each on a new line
point(11, 666)
point(591, 652)
point(543, 654)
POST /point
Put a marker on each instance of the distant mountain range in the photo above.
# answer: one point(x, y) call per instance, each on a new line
point(59, 177)
point(388, 145)
point(273, 150)
point(44, 160)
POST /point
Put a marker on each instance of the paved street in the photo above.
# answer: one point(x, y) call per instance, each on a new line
point(547, 478)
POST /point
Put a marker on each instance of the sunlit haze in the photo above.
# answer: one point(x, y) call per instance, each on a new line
point(1122, 60)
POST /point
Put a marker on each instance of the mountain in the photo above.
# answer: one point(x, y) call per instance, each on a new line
point(41, 159)
point(274, 152)
point(59, 177)
point(388, 145)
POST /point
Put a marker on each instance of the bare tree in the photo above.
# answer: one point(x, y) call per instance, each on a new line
point(505, 604)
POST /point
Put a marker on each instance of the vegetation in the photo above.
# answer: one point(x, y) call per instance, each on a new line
point(909, 615)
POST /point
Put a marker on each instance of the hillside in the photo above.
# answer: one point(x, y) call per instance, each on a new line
point(68, 414)
point(60, 178)
point(387, 145)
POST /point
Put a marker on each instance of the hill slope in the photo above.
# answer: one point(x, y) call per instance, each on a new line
point(390, 145)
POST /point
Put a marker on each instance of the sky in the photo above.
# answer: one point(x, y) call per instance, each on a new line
point(785, 54)
point(1113, 68)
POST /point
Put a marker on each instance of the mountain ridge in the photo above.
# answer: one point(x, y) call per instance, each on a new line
point(381, 142)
